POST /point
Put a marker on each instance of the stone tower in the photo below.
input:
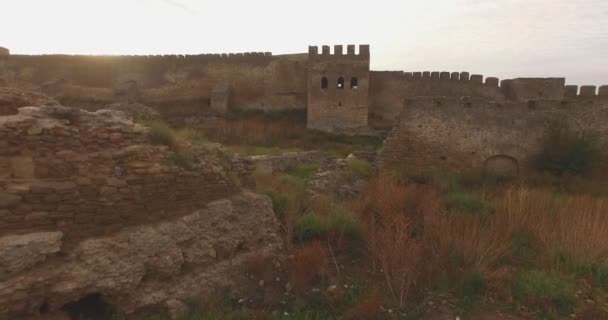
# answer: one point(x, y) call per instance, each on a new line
point(338, 89)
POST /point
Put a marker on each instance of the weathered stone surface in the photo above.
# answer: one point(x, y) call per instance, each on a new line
point(20, 252)
point(12, 99)
point(140, 266)
point(89, 173)
point(462, 134)
point(282, 162)
point(8, 200)
point(135, 111)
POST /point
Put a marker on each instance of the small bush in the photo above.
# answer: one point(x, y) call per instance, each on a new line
point(309, 265)
point(304, 171)
point(193, 135)
point(471, 288)
point(524, 248)
point(548, 291)
point(360, 168)
point(463, 202)
point(565, 151)
point(160, 133)
point(280, 202)
point(311, 226)
point(183, 160)
point(345, 225)
point(314, 226)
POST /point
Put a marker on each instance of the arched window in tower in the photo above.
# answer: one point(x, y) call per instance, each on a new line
point(324, 83)
point(354, 83)
point(341, 83)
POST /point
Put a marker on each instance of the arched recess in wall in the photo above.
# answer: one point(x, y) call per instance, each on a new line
point(341, 83)
point(354, 83)
point(324, 83)
point(502, 166)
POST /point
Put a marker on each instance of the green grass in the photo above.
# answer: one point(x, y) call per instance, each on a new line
point(193, 135)
point(305, 171)
point(183, 160)
point(567, 151)
point(160, 133)
point(251, 150)
point(471, 289)
point(549, 292)
point(313, 226)
point(464, 202)
point(360, 168)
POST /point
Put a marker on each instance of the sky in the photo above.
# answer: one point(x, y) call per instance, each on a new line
point(502, 38)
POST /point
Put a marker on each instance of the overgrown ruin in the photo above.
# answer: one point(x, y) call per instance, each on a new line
point(93, 213)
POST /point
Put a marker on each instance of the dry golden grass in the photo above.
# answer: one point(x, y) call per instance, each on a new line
point(576, 225)
point(415, 241)
point(309, 266)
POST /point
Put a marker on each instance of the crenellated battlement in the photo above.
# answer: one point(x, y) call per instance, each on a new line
point(167, 57)
point(585, 92)
point(443, 76)
point(339, 50)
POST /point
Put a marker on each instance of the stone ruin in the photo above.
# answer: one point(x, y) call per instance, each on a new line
point(90, 210)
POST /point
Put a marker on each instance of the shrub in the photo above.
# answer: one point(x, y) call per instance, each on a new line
point(304, 171)
point(471, 288)
point(548, 291)
point(183, 160)
point(565, 151)
point(464, 202)
point(308, 266)
point(160, 133)
point(311, 226)
point(360, 168)
point(338, 224)
point(192, 135)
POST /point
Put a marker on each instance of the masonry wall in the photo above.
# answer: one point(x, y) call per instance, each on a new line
point(389, 89)
point(175, 85)
point(461, 134)
point(88, 174)
point(333, 108)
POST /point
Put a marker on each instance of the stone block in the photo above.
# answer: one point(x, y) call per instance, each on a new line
point(570, 91)
point(477, 78)
point(587, 92)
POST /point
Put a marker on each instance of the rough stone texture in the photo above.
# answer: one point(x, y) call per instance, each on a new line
point(176, 86)
point(341, 106)
point(88, 174)
point(523, 89)
point(11, 100)
point(148, 265)
point(135, 111)
point(282, 162)
point(333, 178)
point(459, 134)
point(19, 253)
point(220, 99)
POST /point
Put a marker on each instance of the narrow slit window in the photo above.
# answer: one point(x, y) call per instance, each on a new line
point(354, 83)
point(341, 83)
point(324, 83)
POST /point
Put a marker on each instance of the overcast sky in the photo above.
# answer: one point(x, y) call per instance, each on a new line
point(504, 38)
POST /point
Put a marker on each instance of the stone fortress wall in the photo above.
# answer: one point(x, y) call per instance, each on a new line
point(176, 85)
point(338, 88)
point(199, 85)
point(181, 86)
point(456, 134)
